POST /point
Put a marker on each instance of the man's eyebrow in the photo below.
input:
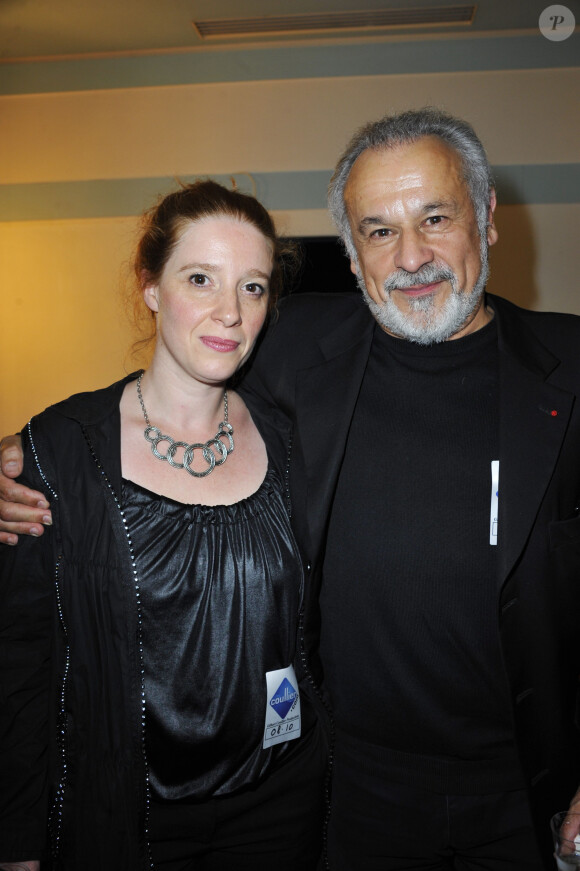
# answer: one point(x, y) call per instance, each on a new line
point(439, 205)
point(381, 221)
point(371, 221)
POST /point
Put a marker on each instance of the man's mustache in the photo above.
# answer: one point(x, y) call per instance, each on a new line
point(427, 274)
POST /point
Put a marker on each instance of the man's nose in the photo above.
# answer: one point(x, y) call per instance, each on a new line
point(412, 251)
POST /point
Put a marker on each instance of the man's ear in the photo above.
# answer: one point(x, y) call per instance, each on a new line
point(492, 234)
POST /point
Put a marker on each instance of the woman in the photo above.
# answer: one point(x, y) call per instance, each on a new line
point(155, 712)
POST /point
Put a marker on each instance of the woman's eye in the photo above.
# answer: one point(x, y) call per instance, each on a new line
point(199, 279)
point(255, 289)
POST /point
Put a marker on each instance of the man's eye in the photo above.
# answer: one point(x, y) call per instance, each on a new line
point(435, 219)
point(380, 233)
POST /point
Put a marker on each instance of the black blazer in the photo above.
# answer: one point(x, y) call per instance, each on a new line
point(311, 364)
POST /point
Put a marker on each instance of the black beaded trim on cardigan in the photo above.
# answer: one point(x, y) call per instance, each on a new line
point(55, 814)
point(139, 643)
point(36, 460)
point(287, 477)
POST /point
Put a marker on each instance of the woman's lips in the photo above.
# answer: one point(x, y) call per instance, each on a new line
point(217, 344)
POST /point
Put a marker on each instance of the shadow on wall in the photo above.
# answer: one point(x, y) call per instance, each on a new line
point(513, 258)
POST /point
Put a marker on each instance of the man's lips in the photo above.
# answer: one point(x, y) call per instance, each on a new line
point(217, 344)
point(420, 289)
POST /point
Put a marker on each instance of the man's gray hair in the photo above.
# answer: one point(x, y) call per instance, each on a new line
point(403, 129)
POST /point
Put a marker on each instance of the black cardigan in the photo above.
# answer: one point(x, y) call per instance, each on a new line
point(70, 673)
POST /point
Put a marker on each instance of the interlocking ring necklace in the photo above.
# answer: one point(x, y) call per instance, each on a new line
point(225, 430)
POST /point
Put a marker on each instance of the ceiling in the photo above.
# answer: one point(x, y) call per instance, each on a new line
point(34, 29)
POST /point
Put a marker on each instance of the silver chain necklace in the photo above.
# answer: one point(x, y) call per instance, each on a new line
point(225, 430)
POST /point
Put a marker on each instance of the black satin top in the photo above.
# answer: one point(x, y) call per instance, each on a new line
point(221, 589)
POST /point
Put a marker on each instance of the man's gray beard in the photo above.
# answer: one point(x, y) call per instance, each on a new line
point(424, 323)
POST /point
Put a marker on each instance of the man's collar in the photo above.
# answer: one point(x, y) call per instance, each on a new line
point(516, 338)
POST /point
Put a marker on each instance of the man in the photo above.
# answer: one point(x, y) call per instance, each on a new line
point(435, 476)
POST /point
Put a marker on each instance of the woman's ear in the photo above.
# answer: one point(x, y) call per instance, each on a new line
point(151, 297)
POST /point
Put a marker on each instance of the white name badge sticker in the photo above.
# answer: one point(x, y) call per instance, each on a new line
point(282, 707)
point(494, 505)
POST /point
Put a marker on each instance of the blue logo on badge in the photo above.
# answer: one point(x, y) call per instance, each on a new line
point(283, 698)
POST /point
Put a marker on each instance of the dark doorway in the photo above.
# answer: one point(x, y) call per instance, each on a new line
point(325, 267)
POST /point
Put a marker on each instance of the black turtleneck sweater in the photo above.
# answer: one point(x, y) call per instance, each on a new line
point(410, 640)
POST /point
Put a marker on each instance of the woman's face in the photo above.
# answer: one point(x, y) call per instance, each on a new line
point(212, 298)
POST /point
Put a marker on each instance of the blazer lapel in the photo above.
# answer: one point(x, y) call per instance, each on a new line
point(534, 415)
point(326, 396)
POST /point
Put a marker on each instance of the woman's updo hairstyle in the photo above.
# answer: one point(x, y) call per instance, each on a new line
point(163, 225)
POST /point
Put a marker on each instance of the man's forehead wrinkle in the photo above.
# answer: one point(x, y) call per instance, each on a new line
point(405, 181)
point(394, 187)
point(388, 185)
point(414, 206)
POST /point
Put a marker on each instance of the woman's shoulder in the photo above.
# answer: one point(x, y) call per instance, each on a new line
point(86, 407)
point(55, 433)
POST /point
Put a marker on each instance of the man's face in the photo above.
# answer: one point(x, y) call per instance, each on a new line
point(417, 241)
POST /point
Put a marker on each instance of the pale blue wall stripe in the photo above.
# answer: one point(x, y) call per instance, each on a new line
point(537, 183)
point(290, 62)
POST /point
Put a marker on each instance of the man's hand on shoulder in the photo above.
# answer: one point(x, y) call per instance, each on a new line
point(572, 822)
point(22, 511)
point(31, 865)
